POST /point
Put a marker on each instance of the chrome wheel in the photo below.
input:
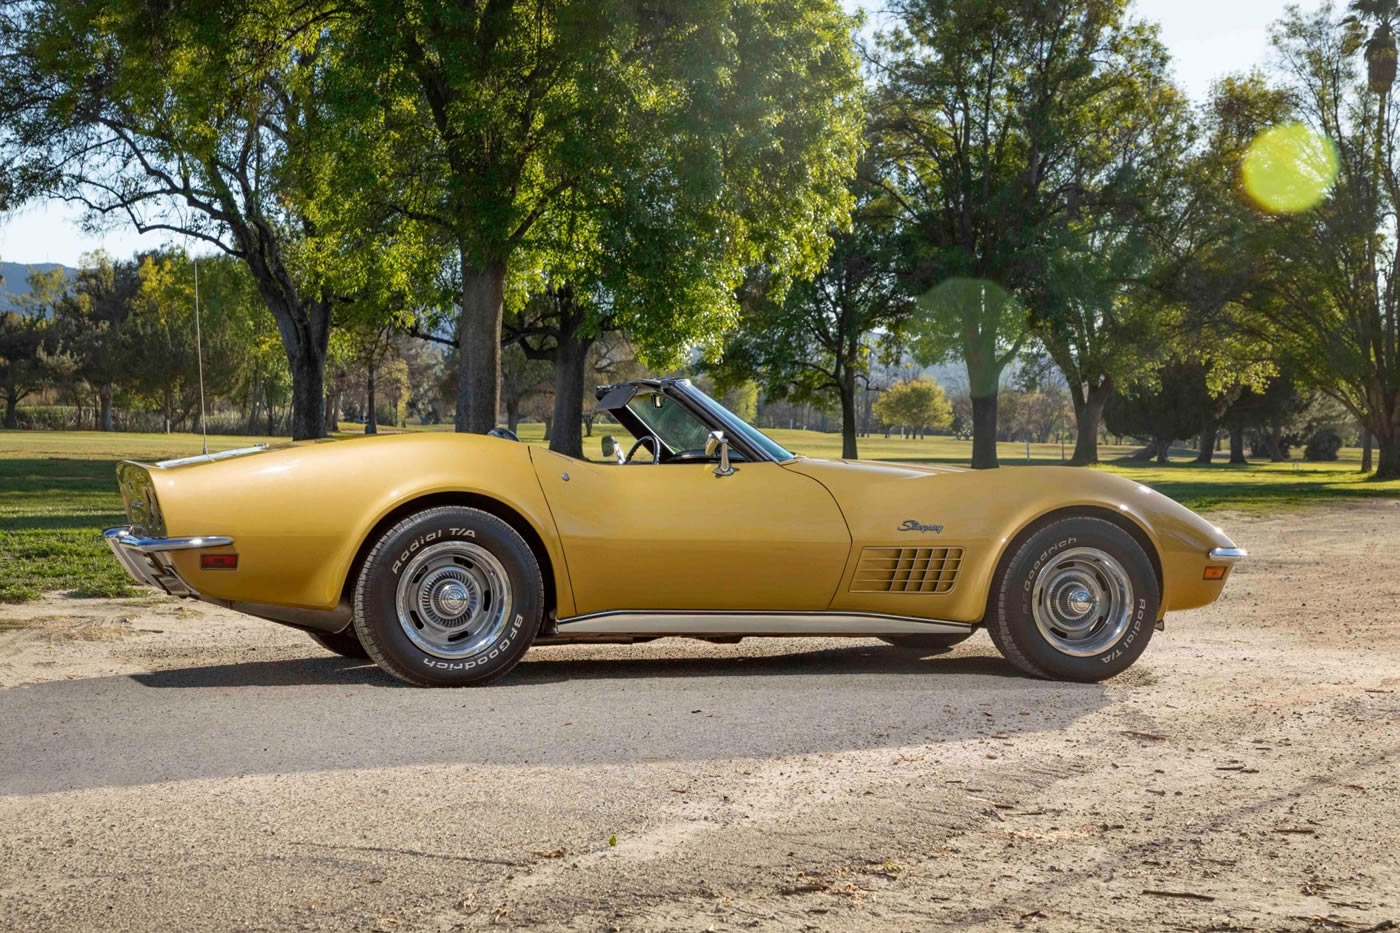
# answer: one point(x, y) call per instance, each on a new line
point(1082, 601)
point(453, 599)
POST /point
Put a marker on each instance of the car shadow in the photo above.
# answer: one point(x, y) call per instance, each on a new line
point(537, 667)
point(561, 707)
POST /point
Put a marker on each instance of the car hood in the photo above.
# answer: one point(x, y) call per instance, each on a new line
point(874, 468)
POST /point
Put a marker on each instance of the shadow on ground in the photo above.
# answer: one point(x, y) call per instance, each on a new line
point(636, 705)
point(539, 668)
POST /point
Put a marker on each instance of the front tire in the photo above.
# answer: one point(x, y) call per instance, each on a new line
point(1077, 600)
point(449, 597)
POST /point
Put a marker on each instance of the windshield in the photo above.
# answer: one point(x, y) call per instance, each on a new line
point(669, 420)
point(738, 426)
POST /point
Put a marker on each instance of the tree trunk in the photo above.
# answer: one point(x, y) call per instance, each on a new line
point(1274, 442)
point(371, 415)
point(308, 365)
point(104, 408)
point(513, 415)
point(1086, 419)
point(548, 427)
point(569, 357)
point(479, 346)
point(11, 410)
point(332, 412)
point(984, 432)
point(1164, 446)
point(1385, 428)
point(253, 400)
point(847, 385)
point(1237, 445)
point(1366, 457)
point(305, 329)
point(1389, 465)
point(1206, 444)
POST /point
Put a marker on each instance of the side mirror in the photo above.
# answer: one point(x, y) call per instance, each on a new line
point(716, 442)
point(612, 450)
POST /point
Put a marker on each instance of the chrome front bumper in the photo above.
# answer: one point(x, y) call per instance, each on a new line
point(147, 560)
point(1227, 555)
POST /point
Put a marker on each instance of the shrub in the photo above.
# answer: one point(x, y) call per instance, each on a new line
point(1323, 445)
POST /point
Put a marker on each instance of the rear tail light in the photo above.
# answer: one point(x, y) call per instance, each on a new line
point(218, 562)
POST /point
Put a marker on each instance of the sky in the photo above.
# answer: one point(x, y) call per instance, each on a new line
point(1207, 38)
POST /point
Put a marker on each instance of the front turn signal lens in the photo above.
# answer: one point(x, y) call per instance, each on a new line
point(1215, 573)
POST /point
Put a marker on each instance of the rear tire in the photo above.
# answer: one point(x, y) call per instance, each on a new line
point(1077, 600)
point(925, 644)
point(343, 643)
point(449, 597)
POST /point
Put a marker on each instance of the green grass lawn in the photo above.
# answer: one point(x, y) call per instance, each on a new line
point(58, 490)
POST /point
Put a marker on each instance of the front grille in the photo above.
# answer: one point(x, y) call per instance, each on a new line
point(907, 570)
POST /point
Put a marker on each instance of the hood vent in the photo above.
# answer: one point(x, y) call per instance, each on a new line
point(907, 570)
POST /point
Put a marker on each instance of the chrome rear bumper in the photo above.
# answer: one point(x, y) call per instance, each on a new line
point(146, 560)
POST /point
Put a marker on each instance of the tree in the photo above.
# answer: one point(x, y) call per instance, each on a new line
point(91, 315)
point(917, 404)
point(1209, 275)
point(30, 349)
point(1037, 415)
point(162, 345)
point(819, 339)
point(1161, 409)
point(200, 119)
point(991, 118)
point(1329, 301)
point(521, 379)
point(724, 128)
point(26, 341)
point(1094, 309)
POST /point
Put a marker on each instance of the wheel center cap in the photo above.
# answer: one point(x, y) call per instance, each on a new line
point(451, 599)
point(1080, 601)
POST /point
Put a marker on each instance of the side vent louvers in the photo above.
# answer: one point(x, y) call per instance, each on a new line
point(907, 569)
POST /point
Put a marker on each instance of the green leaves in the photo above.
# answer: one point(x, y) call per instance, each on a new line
point(918, 404)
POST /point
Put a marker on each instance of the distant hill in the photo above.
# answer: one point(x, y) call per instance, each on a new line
point(16, 275)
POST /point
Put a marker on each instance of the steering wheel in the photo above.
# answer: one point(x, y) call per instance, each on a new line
point(651, 442)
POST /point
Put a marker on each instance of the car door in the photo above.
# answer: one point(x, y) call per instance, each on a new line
point(676, 536)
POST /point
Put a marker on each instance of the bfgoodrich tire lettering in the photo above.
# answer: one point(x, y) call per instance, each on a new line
point(1089, 572)
point(449, 597)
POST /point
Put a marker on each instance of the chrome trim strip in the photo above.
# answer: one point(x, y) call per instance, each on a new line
point(1227, 555)
point(125, 538)
point(210, 458)
point(133, 564)
point(145, 561)
point(703, 622)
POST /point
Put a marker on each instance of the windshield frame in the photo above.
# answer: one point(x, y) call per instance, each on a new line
point(738, 431)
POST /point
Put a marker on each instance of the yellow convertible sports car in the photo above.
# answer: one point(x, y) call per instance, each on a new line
point(445, 556)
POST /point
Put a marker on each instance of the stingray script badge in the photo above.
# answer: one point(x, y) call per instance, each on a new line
point(913, 524)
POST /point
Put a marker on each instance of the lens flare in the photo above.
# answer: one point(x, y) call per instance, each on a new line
point(1288, 169)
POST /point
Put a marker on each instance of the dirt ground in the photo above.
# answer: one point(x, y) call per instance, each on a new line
point(169, 766)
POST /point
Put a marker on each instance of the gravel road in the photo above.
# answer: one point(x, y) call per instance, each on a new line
point(168, 766)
